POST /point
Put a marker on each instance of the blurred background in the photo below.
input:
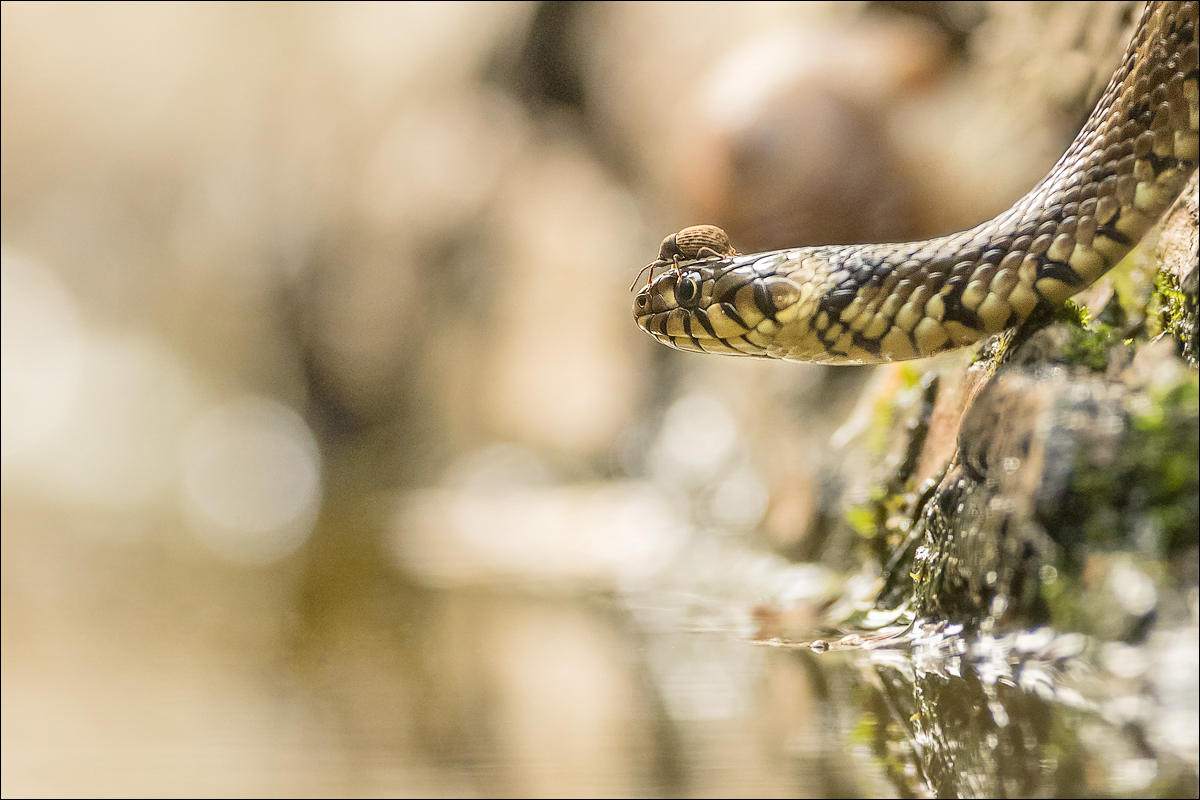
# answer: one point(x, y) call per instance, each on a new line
point(333, 461)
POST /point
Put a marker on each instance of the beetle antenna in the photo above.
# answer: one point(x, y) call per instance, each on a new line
point(656, 262)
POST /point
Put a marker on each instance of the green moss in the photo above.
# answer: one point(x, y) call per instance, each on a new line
point(1090, 342)
point(911, 375)
point(863, 520)
point(1175, 313)
point(1166, 460)
point(1169, 306)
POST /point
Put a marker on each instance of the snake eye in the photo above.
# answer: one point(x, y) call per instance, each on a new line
point(687, 290)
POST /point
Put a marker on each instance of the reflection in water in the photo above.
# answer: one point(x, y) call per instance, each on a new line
point(1032, 713)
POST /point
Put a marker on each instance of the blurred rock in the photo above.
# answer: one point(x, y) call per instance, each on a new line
point(788, 144)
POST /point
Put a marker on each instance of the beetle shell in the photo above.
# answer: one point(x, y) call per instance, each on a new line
point(690, 244)
point(695, 242)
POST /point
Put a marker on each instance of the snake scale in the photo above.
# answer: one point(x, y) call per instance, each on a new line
point(873, 303)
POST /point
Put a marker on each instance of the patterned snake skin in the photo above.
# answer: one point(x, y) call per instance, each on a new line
point(865, 304)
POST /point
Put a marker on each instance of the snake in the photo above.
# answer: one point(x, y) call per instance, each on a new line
point(876, 303)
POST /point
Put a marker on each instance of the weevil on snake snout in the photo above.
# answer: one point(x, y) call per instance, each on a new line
point(690, 244)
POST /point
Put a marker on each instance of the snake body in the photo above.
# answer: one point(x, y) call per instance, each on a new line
point(872, 303)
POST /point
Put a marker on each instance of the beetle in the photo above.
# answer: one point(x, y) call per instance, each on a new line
point(690, 244)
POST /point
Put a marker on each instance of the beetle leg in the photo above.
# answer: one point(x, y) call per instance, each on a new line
point(709, 252)
point(658, 262)
point(650, 267)
point(677, 272)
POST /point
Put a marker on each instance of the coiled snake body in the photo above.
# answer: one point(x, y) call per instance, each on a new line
point(865, 304)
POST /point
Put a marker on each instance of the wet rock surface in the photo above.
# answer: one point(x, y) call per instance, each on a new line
point(1048, 572)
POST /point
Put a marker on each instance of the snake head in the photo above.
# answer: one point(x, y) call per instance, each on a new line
point(731, 306)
